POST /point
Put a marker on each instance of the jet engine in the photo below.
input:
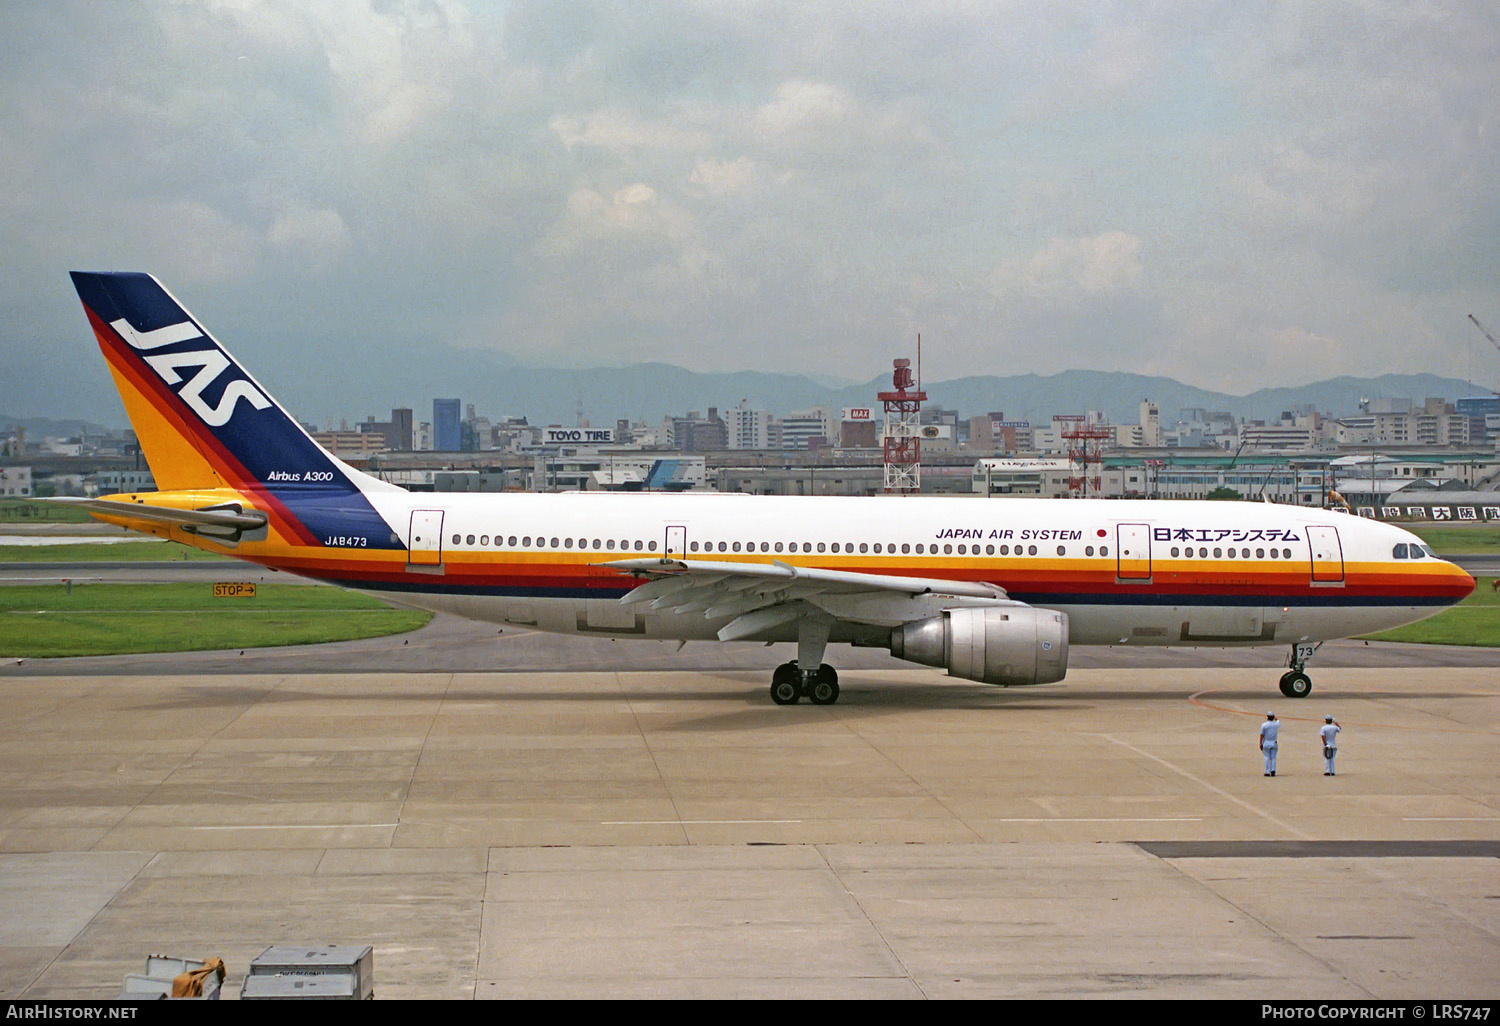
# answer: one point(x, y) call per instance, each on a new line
point(1008, 645)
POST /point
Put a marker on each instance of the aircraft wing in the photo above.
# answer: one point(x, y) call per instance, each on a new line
point(230, 516)
point(760, 597)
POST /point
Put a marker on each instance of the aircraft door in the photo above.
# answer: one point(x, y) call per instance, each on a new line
point(424, 542)
point(676, 547)
point(1133, 550)
point(1327, 554)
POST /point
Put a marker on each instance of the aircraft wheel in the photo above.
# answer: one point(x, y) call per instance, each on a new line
point(825, 686)
point(1296, 684)
point(786, 684)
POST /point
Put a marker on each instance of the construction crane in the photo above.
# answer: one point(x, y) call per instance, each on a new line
point(1485, 331)
point(1493, 341)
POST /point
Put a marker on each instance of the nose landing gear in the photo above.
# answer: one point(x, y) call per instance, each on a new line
point(1295, 683)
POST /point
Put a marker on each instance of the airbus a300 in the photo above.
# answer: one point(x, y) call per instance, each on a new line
point(990, 591)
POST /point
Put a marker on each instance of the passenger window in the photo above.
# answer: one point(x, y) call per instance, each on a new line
point(597, 543)
point(905, 547)
point(1005, 550)
point(554, 543)
point(735, 546)
point(638, 545)
point(723, 546)
point(1104, 550)
point(470, 541)
point(766, 547)
point(526, 541)
point(1216, 553)
point(692, 546)
point(822, 547)
point(778, 546)
point(835, 546)
point(963, 550)
point(484, 539)
point(457, 538)
point(1062, 550)
point(865, 548)
point(1260, 553)
point(652, 546)
point(511, 542)
point(989, 550)
point(1286, 553)
point(1031, 550)
point(947, 550)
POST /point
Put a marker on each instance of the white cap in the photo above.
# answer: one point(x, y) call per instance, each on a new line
point(1328, 718)
point(1271, 715)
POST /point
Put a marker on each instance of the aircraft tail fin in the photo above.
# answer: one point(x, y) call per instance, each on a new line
point(202, 420)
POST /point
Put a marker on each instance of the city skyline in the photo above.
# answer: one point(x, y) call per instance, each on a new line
point(1233, 197)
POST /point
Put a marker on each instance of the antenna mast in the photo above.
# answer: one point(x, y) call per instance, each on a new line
point(903, 429)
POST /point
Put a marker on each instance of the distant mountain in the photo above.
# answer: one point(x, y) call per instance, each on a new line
point(413, 375)
point(38, 428)
point(651, 391)
point(1119, 395)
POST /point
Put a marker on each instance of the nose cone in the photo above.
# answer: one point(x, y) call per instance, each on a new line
point(1458, 582)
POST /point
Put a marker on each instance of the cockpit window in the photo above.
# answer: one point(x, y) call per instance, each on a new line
point(1399, 552)
point(1416, 551)
point(1428, 549)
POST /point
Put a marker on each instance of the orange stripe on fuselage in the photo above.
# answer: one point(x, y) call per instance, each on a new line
point(470, 567)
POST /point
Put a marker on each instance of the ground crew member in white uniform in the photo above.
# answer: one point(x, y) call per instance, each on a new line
point(1268, 732)
point(1330, 738)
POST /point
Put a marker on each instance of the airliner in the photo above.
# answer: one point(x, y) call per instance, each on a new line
point(990, 591)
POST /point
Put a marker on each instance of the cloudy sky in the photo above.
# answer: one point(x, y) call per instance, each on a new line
point(1234, 195)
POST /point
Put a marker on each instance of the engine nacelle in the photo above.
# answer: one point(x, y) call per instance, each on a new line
point(1007, 645)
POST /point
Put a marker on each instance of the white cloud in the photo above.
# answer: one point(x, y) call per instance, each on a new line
point(724, 177)
point(624, 132)
point(802, 105)
point(1072, 267)
point(313, 239)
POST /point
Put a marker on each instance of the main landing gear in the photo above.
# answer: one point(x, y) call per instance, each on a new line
point(1295, 683)
point(789, 683)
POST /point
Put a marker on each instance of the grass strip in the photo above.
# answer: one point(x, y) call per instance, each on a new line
point(1451, 541)
point(114, 619)
point(104, 552)
point(24, 511)
point(1474, 621)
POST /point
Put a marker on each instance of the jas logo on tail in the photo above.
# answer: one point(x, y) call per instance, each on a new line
point(211, 363)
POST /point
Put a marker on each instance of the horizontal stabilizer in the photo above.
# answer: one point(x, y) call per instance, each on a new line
point(231, 516)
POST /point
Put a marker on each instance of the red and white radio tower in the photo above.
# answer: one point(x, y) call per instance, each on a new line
point(1086, 451)
point(903, 429)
